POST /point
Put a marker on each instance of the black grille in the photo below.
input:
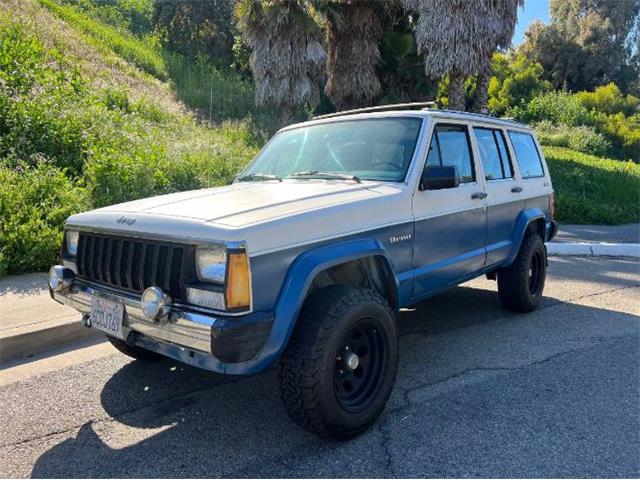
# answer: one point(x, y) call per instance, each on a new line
point(133, 264)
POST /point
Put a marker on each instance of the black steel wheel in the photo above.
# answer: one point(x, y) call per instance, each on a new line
point(338, 370)
point(361, 358)
point(520, 285)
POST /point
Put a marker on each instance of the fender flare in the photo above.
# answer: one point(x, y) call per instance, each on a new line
point(295, 287)
point(522, 223)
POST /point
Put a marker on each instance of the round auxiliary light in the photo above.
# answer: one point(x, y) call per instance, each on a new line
point(155, 303)
point(60, 278)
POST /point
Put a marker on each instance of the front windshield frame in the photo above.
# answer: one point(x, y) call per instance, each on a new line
point(422, 122)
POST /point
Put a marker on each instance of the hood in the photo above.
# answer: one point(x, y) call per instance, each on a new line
point(237, 211)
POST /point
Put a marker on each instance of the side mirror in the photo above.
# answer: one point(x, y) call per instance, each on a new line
point(439, 177)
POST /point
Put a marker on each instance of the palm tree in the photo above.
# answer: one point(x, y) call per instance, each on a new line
point(507, 12)
point(457, 38)
point(353, 31)
point(287, 57)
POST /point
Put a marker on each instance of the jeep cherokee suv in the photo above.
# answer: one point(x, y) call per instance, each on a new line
point(305, 259)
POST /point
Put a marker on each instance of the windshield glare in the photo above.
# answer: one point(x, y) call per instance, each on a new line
point(372, 149)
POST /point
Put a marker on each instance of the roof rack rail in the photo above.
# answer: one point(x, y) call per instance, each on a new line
point(482, 115)
point(380, 108)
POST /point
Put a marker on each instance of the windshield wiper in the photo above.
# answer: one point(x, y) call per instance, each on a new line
point(258, 176)
point(325, 175)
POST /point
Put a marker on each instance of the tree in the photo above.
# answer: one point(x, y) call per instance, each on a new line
point(457, 39)
point(196, 27)
point(353, 31)
point(587, 43)
point(287, 56)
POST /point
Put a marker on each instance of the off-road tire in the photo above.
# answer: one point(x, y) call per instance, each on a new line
point(307, 371)
point(133, 351)
point(514, 282)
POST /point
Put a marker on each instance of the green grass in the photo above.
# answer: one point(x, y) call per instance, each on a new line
point(145, 56)
point(594, 190)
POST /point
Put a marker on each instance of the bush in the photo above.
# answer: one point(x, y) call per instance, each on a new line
point(582, 139)
point(558, 107)
point(34, 204)
point(594, 190)
point(610, 100)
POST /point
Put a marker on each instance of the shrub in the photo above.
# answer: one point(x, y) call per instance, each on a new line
point(594, 190)
point(582, 139)
point(558, 107)
point(610, 100)
point(34, 204)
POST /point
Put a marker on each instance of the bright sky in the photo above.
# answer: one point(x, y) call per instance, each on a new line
point(532, 10)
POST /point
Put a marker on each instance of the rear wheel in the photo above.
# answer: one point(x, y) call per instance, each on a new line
point(521, 284)
point(339, 368)
point(132, 351)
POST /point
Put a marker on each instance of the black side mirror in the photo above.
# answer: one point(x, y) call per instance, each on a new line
point(439, 177)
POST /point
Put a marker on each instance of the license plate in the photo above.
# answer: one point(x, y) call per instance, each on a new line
point(107, 316)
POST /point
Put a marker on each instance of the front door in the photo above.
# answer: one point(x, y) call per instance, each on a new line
point(450, 224)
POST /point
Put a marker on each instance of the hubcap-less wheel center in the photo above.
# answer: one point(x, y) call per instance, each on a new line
point(352, 361)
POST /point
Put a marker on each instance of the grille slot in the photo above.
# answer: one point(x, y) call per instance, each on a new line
point(133, 264)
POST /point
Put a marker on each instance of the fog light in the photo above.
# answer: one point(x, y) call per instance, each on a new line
point(155, 303)
point(60, 278)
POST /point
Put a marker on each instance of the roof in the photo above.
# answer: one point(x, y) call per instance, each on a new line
point(422, 108)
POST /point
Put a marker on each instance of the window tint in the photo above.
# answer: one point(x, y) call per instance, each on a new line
point(493, 153)
point(526, 154)
point(450, 147)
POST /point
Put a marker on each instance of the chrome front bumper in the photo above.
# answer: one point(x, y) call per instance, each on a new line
point(184, 329)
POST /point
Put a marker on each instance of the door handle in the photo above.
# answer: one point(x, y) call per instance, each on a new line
point(479, 196)
point(516, 190)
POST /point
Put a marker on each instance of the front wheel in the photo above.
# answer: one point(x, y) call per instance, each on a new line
point(520, 285)
point(339, 368)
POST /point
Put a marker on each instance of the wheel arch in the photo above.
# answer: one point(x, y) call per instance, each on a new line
point(529, 220)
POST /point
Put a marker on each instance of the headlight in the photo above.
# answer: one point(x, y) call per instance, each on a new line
point(72, 242)
point(211, 264)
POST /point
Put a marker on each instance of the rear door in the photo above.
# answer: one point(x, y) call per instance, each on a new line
point(503, 188)
point(450, 224)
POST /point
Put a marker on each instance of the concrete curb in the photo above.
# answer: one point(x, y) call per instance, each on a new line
point(25, 342)
point(594, 249)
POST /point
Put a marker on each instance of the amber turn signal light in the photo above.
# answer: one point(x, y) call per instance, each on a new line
point(238, 292)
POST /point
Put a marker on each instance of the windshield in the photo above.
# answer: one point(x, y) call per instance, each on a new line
point(372, 149)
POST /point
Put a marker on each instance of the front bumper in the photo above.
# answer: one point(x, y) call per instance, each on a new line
point(216, 343)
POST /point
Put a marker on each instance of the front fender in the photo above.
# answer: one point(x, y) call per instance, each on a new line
point(295, 288)
point(522, 223)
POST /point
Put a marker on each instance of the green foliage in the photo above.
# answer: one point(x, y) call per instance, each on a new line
point(65, 148)
point(559, 107)
point(610, 100)
point(133, 16)
point(582, 139)
point(516, 81)
point(594, 190)
point(196, 28)
point(34, 204)
point(142, 54)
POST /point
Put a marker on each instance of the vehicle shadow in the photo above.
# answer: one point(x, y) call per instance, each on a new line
point(170, 420)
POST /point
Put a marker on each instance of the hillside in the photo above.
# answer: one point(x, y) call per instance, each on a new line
point(91, 115)
point(82, 127)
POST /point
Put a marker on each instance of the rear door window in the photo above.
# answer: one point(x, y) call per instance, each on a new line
point(450, 147)
point(527, 154)
point(493, 153)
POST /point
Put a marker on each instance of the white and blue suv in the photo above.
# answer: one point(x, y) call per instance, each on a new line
point(303, 262)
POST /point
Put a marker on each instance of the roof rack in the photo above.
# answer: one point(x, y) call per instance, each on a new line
point(380, 108)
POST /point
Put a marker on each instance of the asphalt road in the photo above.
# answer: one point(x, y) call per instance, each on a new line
point(480, 393)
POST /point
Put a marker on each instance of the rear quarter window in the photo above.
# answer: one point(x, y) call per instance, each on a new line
point(527, 154)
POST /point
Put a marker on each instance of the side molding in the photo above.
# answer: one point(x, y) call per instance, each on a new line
point(522, 223)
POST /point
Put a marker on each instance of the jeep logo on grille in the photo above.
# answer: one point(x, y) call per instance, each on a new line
point(128, 220)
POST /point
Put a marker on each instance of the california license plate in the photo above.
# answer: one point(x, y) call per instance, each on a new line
point(107, 316)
